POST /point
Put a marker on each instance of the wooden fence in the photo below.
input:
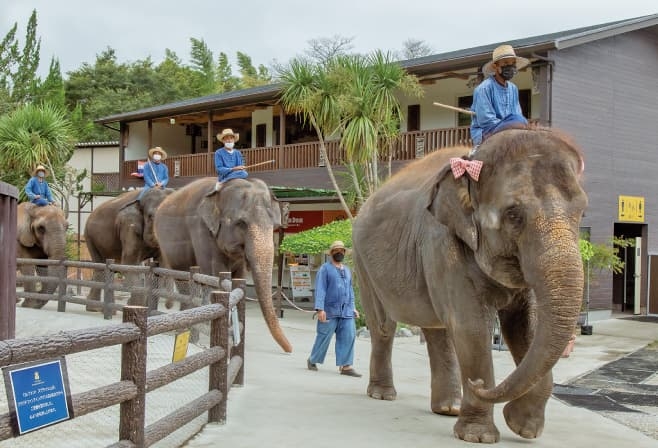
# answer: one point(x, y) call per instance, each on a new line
point(158, 283)
point(130, 392)
point(8, 204)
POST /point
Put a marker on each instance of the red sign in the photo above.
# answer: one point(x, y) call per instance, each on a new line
point(303, 220)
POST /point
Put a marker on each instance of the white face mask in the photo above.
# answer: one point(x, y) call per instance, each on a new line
point(229, 145)
point(157, 157)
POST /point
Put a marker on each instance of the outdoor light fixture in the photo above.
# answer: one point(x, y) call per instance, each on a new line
point(172, 121)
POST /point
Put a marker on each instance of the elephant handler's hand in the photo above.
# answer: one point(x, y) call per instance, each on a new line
point(322, 316)
point(356, 313)
point(238, 168)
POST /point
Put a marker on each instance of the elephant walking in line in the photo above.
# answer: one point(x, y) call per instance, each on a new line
point(230, 230)
point(41, 234)
point(471, 244)
point(122, 229)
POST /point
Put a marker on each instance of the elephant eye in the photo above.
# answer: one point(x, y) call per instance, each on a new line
point(514, 215)
point(41, 229)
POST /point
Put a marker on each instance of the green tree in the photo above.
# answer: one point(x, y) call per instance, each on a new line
point(34, 134)
point(309, 91)
point(203, 64)
point(226, 82)
point(355, 97)
point(252, 77)
point(18, 81)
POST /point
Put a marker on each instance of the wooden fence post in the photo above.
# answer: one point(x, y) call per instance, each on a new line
point(62, 273)
point(238, 349)
point(133, 368)
point(151, 279)
point(194, 288)
point(108, 292)
point(218, 375)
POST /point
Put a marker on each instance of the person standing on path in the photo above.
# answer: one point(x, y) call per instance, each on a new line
point(334, 303)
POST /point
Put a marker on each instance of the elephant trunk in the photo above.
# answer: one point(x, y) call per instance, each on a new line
point(259, 251)
point(558, 299)
point(55, 252)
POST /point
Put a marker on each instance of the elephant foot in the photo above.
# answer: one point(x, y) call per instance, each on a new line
point(94, 307)
point(476, 431)
point(524, 419)
point(33, 303)
point(447, 407)
point(382, 392)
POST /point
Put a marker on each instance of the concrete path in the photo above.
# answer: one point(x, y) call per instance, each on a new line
point(285, 405)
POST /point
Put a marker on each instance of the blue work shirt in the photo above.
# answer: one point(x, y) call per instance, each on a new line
point(225, 160)
point(34, 187)
point(334, 292)
point(155, 172)
point(492, 104)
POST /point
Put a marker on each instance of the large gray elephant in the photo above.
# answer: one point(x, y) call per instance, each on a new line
point(41, 234)
point(448, 253)
point(122, 229)
point(229, 230)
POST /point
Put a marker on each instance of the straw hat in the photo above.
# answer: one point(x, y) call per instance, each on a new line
point(336, 246)
point(40, 168)
point(226, 132)
point(504, 52)
point(157, 149)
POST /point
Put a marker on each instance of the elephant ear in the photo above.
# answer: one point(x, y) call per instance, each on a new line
point(279, 210)
point(24, 231)
point(452, 204)
point(209, 211)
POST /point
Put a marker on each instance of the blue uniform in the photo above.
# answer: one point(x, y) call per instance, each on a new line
point(335, 295)
point(225, 160)
point(35, 187)
point(153, 173)
point(495, 107)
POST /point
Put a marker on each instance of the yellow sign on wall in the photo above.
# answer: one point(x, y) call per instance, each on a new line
point(631, 208)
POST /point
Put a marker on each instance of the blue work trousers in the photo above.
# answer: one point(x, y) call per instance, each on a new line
point(345, 330)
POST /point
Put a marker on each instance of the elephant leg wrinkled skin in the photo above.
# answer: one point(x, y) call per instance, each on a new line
point(475, 422)
point(382, 335)
point(446, 383)
point(524, 415)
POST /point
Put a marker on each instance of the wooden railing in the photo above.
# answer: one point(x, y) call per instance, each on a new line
point(307, 155)
point(224, 358)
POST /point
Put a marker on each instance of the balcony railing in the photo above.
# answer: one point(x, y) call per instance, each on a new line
point(408, 146)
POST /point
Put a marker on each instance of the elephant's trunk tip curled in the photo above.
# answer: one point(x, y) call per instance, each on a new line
point(478, 389)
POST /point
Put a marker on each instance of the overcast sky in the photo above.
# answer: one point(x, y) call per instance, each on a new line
point(75, 31)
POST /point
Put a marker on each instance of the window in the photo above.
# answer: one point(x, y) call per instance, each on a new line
point(413, 118)
point(261, 131)
point(464, 102)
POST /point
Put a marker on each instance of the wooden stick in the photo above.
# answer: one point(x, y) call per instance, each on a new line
point(458, 109)
point(260, 163)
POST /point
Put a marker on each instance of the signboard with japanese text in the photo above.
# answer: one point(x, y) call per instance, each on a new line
point(38, 394)
point(300, 281)
point(631, 208)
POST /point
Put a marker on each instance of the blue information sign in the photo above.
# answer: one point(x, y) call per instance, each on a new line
point(38, 394)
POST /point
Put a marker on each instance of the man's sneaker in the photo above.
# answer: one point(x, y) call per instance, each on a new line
point(310, 365)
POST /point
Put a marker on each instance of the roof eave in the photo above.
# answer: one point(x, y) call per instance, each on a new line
point(603, 33)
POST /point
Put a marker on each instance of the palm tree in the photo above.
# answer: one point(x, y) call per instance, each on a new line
point(34, 134)
point(310, 92)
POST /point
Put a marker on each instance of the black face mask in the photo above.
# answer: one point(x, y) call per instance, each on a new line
point(338, 257)
point(508, 72)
